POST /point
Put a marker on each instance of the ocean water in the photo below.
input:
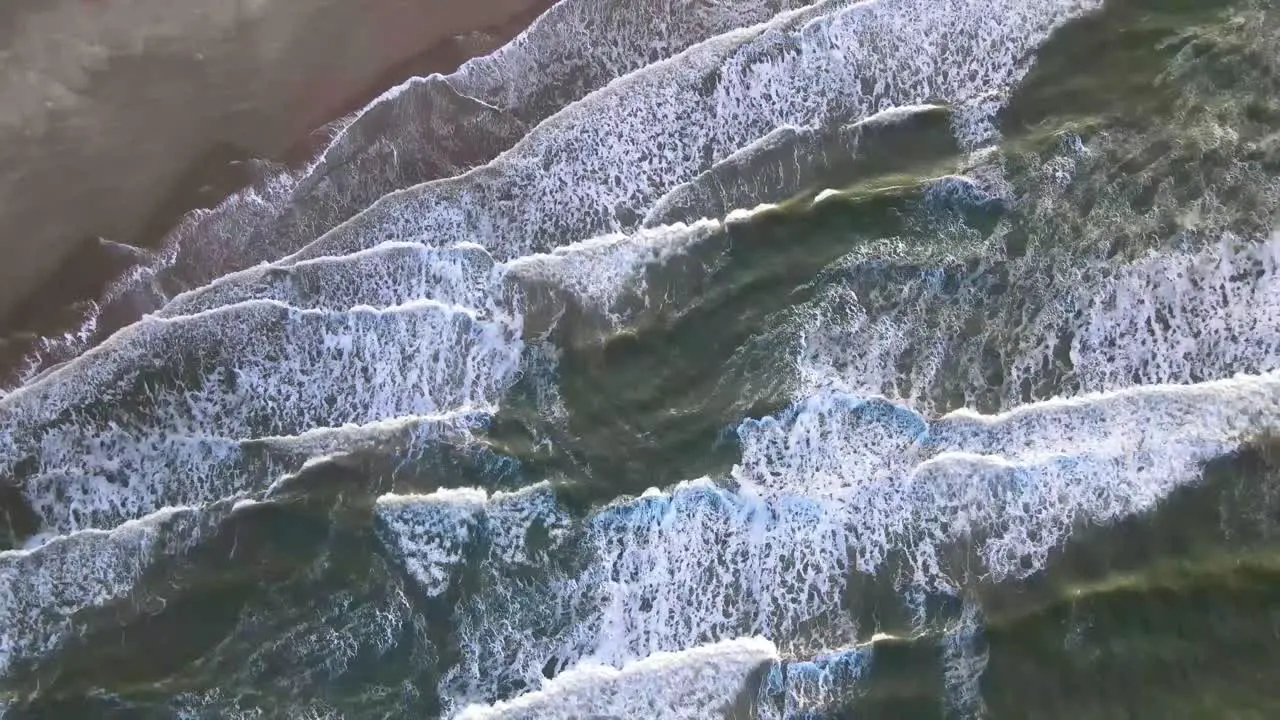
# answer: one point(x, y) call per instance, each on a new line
point(696, 359)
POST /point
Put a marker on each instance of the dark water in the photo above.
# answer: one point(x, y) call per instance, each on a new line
point(975, 418)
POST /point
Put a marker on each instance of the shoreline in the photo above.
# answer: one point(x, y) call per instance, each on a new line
point(156, 134)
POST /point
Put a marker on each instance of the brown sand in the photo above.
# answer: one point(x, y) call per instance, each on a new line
point(116, 118)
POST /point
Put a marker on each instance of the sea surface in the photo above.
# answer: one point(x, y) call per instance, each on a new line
point(695, 359)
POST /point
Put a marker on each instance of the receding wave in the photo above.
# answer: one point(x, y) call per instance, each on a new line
point(698, 683)
point(790, 160)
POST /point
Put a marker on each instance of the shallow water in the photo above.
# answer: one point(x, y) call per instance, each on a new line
point(884, 359)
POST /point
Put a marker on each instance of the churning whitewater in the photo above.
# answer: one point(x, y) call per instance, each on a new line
point(682, 359)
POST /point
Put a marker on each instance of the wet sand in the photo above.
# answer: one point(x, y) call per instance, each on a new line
point(116, 119)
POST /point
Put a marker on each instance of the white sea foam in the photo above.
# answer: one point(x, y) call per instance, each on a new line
point(825, 684)
point(663, 125)
point(257, 369)
point(384, 276)
point(1179, 317)
point(1047, 327)
point(432, 532)
point(663, 572)
point(267, 368)
point(42, 589)
point(696, 684)
point(272, 352)
point(836, 484)
point(198, 385)
point(660, 585)
point(964, 659)
point(577, 46)
point(596, 270)
point(1016, 483)
point(102, 480)
point(217, 377)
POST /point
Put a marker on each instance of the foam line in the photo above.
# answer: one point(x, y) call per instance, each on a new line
point(699, 683)
point(790, 160)
point(777, 167)
point(383, 276)
point(263, 368)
